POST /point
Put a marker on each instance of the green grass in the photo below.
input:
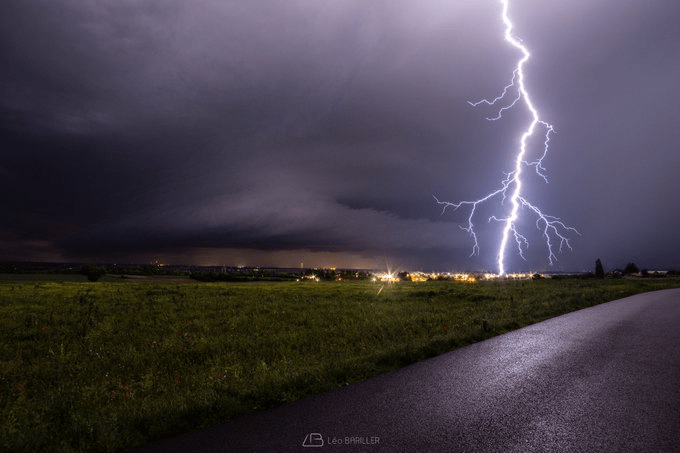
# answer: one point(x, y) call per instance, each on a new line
point(109, 365)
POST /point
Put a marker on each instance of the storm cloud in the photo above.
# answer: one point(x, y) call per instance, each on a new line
point(272, 133)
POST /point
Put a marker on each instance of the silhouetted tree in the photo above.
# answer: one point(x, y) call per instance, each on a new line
point(631, 268)
point(599, 270)
point(93, 273)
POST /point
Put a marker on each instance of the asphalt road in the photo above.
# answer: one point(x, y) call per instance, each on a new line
point(603, 379)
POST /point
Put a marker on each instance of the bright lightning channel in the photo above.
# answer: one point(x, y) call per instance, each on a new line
point(553, 230)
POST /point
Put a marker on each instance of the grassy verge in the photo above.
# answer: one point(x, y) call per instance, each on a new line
point(109, 365)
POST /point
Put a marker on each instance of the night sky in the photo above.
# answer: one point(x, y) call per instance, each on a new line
point(276, 133)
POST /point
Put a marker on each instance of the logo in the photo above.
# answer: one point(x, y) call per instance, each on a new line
point(313, 440)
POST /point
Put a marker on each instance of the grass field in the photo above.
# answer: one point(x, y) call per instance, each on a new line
point(109, 365)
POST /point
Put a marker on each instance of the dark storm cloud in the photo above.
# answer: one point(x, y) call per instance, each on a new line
point(616, 103)
point(132, 128)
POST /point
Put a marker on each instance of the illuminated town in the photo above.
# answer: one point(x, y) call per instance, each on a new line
point(391, 277)
point(244, 273)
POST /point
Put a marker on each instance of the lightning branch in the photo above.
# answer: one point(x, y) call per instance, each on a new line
point(553, 230)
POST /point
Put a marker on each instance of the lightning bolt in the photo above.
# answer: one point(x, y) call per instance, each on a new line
point(552, 228)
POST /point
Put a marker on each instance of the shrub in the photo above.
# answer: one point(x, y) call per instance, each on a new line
point(631, 268)
point(93, 273)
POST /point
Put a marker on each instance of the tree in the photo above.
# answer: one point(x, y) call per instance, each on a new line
point(93, 273)
point(631, 268)
point(599, 270)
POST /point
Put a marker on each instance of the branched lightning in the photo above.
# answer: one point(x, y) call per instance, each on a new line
point(553, 230)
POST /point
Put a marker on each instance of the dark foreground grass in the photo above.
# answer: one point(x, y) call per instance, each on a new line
point(106, 366)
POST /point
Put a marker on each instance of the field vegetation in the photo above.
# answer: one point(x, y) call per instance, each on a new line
point(104, 366)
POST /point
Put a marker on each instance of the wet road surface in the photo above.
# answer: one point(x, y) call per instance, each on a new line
point(603, 379)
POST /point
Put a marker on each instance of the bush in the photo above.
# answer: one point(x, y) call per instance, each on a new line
point(631, 268)
point(93, 273)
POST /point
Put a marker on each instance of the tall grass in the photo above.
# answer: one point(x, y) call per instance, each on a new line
point(105, 366)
